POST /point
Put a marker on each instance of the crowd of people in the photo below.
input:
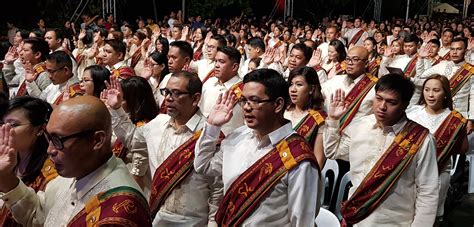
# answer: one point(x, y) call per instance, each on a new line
point(200, 122)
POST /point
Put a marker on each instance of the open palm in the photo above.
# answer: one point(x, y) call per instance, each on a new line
point(338, 106)
point(221, 113)
point(8, 155)
point(112, 96)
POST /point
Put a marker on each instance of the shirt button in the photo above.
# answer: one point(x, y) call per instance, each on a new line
point(284, 154)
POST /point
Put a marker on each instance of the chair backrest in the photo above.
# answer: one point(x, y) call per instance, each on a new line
point(329, 175)
point(343, 193)
point(326, 219)
point(455, 159)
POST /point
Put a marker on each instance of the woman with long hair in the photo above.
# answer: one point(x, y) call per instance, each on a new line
point(27, 117)
point(374, 58)
point(156, 68)
point(305, 110)
point(335, 63)
point(435, 112)
point(198, 43)
point(93, 80)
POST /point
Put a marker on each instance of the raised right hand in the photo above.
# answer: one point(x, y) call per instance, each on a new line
point(337, 107)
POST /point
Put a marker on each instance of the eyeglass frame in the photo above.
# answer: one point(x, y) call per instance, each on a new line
point(55, 70)
point(242, 101)
point(62, 139)
point(173, 92)
point(353, 60)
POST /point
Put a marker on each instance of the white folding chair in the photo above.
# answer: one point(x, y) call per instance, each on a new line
point(329, 176)
point(326, 219)
point(343, 193)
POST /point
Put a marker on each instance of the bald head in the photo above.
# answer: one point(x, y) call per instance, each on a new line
point(85, 112)
point(359, 51)
point(356, 61)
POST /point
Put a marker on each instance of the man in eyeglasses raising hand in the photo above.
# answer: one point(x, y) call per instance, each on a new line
point(91, 179)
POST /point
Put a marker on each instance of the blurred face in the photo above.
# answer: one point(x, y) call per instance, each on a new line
point(224, 68)
point(378, 37)
point(127, 32)
point(331, 34)
point(198, 35)
point(434, 50)
point(447, 38)
point(368, 45)
point(157, 68)
point(141, 24)
point(25, 132)
point(397, 48)
point(136, 40)
point(296, 59)
point(457, 52)
point(176, 33)
point(254, 52)
point(111, 57)
point(252, 66)
point(332, 53)
point(276, 32)
point(395, 31)
point(17, 39)
point(357, 23)
point(308, 35)
point(176, 61)
point(466, 32)
point(212, 49)
point(182, 104)
point(259, 116)
point(41, 23)
point(57, 74)
point(159, 46)
point(300, 91)
point(26, 54)
point(433, 94)
point(87, 84)
point(98, 38)
point(388, 107)
point(53, 42)
point(381, 48)
point(286, 35)
point(410, 48)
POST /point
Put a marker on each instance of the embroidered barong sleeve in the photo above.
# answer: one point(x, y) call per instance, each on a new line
point(208, 156)
point(28, 208)
point(336, 146)
point(383, 64)
point(303, 194)
point(215, 196)
point(426, 180)
point(36, 87)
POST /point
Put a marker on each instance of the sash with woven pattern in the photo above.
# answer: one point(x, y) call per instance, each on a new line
point(38, 69)
point(74, 90)
point(447, 135)
point(460, 78)
point(136, 58)
point(121, 206)
point(308, 127)
point(250, 188)
point(373, 67)
point(356, 37)
point(375, 187)
point(447, 56)
point(354, 99)
point(410, 69)
point(48, 173)
point(341, 68)
point(123, 72)
point(119, 150)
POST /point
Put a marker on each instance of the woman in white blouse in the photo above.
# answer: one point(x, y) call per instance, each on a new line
point(435, 112)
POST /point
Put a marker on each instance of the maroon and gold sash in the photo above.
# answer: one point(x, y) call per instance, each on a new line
point(38, 69)
point(373, 66)
point(136, 58)
point(356, 37)
point(237, 89)
point(123, 72)
point(48, 173)
point(197, 55)
point(121, 206)
point(250, 188)
point(410, 69)
point(375, 187)
point(460, 78)
point(447, 56)
point(447, 135)
point(340, 68)
point(209, 75)
point(119, 150)
point(437, 60)
point(354, 99)
point(74, 90)
point(309, 126)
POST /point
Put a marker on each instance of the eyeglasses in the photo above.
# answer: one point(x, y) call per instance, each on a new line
point(51, 71)
point(173, 92)
point(58, 141)
point(85, 81)
point(354, 60)
point(253, 103)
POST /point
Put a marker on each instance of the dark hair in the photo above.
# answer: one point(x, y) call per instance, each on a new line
point(460, 39)
point(398, 84)
point(448, 100)
point(140, 35)
point(102, 32)
point(117, 45)
point(275, 84)
point(340, 49)
point(38, 33)
point(232, 53)
point(165, 43)
point(311, 77)
point(161, 58)
point(99, 74)
point(61, 58)
point(117, 35)
point(374, 52)
point(37, 111)
point(59, 34)
point(435, 42)
point(256, 61)
point(412, 38)
point(141, 103)
point(38, 45)
point(184, 47)
point(448, 30)
point(194, 83)
point(231, 39)
point(257, 42)
point(307, 51)
point(23, 33)
point(221, 41)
